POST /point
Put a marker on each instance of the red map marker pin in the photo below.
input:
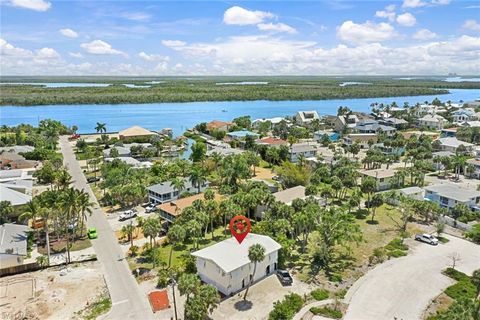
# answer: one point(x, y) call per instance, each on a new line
point(240, 227)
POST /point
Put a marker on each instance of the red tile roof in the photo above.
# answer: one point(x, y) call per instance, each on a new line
point(159, 300)
point(271, 140)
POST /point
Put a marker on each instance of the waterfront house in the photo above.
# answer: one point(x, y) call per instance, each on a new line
point(432, 121)
point(304, 149)
point(364, 140)
point(273, 121)
point(305, 117)
point(217, 125)
point(13, 244)
point(165, 192)
point(135, 132)
point(448, 195)
point(463, 115)
point(394, 122)
point(226, 265)
point(383, 177)
point(242, 134)
point(373, 126)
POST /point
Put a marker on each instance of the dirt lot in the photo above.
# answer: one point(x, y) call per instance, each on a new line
point(48, 295)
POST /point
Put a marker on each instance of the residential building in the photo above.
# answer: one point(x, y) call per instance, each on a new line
point(389, 150)
point(165, 192)
point(224, 151)
point(394, 122)
point(304, 149)
point(415, 193)
point(13, 244)
point(432, 121)
point(17, 149)
point(285, 196)
point(16, 198)
point(448, 195)
point(273, 187)
point(13, 160)
point(475, 163)
point(271, 141)
point(373, 126)
point(471, 124)
point(122, 151)
point(383, 177)
point(332, 136)
point(217, 125)
point(305, 117)
point(135, 132)
point(242, 134)
point(340, 123)
point(450, 132)
point(273, 121)
point(408, 134)
point(171, 210)
point(226, 265)
point(364, 140)
point(131, 161)
point(438, 154)
point(451, 144)
point(463, 115)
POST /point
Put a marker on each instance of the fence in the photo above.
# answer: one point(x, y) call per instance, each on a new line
point(451, 222)
point(19, 269)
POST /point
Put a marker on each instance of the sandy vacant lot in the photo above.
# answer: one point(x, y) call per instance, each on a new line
point(48, 295)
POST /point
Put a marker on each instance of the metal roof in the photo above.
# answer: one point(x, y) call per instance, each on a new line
point(13, 238)
point(452, 191)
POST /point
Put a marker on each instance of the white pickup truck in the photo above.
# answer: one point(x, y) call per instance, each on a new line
point(129, 214)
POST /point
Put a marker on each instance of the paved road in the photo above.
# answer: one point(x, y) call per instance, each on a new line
point(403, 287)
point(127, 300)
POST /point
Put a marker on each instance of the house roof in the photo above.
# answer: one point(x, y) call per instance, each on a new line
point(12, 156)
point(166, 187)
point(432, 118)
point(176, 207)
point(271, 141)
point(136, 131)
point(395, 121)
point(371, 125)
point(453, 142)
point(229, 255)
point(328, 133)
point(215, 124)
point(127, 160)
point(17, 149)
point(288, 195)
point(466, 112)
point(308, 115)
point(303, 147)
point(224, 151)
point(13, 238)
point(411, 190)
point(16, 198)
point(452, 191)
point(475, 162)
point(475, 123)
point(378, 173)
point(242, 134)
point(274, 120)
point(122, 151)
point(443, 154)
point(363, 136)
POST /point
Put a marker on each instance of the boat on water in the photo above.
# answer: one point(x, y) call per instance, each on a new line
point(224, 110)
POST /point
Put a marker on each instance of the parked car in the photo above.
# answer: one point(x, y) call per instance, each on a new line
point(427, 238)
point(150, 208)
point(92, 233)
point(129, 214)
point(93, 179)
point(284, 277)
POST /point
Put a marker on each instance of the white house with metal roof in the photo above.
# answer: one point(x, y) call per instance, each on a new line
point(165, 192)
point(226, 265)
point(14, 197)
point(13, 244)
point(448, 195)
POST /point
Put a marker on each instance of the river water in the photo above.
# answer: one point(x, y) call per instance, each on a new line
point(182, 116)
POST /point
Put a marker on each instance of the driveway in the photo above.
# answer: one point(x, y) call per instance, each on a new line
point(403, 287)
point(128, 302)
point(260, 299)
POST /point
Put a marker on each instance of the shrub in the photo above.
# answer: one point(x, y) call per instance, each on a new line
point(320, 294)
point(336, 277)
point(378, 256)
point(163, 279)
point(474, 233)
point(396, 244)
point(287, 308)
point(327, 312)
point(396, 253)
point(463, 289)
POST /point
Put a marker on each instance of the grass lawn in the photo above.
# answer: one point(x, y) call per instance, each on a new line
point(59, 246)
point(136, 262)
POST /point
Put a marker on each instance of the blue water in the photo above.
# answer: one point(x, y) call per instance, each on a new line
point(182, 116)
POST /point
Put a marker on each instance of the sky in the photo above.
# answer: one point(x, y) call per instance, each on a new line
point(162, 38)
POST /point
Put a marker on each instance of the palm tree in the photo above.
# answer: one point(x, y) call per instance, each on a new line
point(151, 228)
point(256, 253)
point(32, 211)
point(197, 177)
point(101, 127)
point(62, 179)
point(85, 206)
point(69, 204)
point(176, 235)
point(188, 284)
point(178, 184)
point(127, 230)
point(6, 209)
point(368, 186)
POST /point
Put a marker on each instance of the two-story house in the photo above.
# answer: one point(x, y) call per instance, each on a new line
point(165, 191)
point(448, 195)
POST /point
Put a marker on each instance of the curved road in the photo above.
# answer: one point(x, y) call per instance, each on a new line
point(128, 302)
point(402, 288)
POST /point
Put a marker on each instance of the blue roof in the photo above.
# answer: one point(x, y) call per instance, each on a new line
point(242, 134)
point(464, 111)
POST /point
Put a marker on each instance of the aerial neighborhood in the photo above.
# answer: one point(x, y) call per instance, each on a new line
point(329, 198)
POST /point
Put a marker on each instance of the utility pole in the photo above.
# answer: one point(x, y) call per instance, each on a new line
point(174, 299)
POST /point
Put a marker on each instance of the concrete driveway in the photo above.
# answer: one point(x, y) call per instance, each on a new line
point(260, 299)
point(403, 287)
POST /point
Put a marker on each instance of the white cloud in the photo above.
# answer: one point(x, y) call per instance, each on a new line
point(77, 55)
point(276, 27)
point(239, 16)
point(366, 32)
point(424, 34)
point(101, 48)
point(388, 13)
point(152, 57)
point(69, 33)
point(471, 25)
point(406, 20)
point(136, 16)
point(173, 43)
point(420, 3)
point(36, 5)
point(441, 2)
point(47, 53)
point(7, 49)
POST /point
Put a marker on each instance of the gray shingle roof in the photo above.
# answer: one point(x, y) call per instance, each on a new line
point(166, 187)
point(13, 239)
point(452, 191)
point(288, 195)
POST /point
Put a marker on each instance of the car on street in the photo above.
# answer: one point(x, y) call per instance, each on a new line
point(284, 277)
point(427, 238)
point(92, 233)
point(150, 208)
point(129, 214)
point(92, 179)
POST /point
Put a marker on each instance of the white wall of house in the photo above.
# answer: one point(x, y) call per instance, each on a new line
point(295, 155)
point(236, 280)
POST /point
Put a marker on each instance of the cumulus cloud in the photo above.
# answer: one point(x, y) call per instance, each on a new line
point(173, 43)
point(407, 20)
point(276, 27)
point(36, 5)
point(471, 25)
point(77, 55)
point(239, 16)
point(47, 53)
point(152, 57)
point(424, 34)
point(388, 13)
point(100, 47)
point(420, 3)
point(69, 33)
point(367, 32)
